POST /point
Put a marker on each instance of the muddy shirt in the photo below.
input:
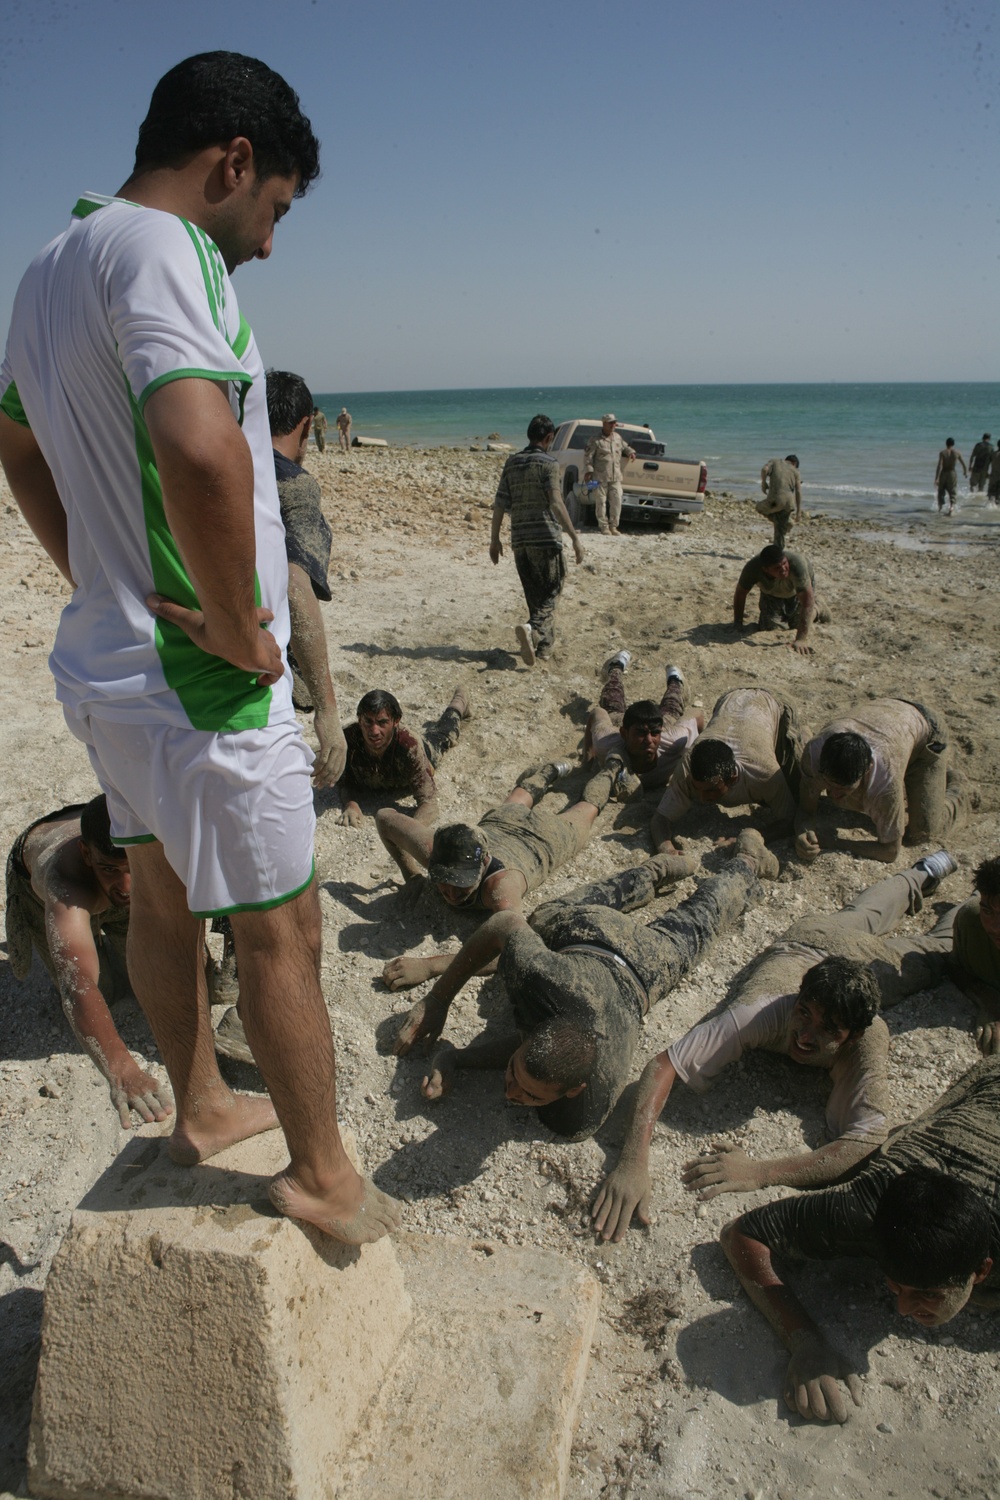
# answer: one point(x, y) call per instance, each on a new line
point(960, 1135)
point(855, 1109)
point(308, 538)
point(747, 720)
point(530, 840)
point(800, 577)
point(972, 946)
point(403, 768)
point(595, 990)
point(895, 730)
point(528, 486)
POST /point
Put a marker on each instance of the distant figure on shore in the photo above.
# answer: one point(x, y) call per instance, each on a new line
point(319, 429)
point(603, 458)
point(979, 462)
point(344, 429)
point(945, 477)
point(782, 487)
point(788, 600)
point(993, 481)
point(384, 756)
point(307, 547)
point(529, 493)
point(68, 895)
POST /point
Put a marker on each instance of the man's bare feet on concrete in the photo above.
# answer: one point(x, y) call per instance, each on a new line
point(353, 1209)
point(236, 1118)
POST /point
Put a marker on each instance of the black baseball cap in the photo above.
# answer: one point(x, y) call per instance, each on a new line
point(457, 856)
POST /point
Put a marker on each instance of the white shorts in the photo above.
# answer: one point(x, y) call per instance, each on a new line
point(234, 812)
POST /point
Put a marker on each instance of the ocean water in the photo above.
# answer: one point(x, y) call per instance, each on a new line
point(866, 451)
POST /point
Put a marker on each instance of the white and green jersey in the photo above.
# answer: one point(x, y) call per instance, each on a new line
point(125, 300)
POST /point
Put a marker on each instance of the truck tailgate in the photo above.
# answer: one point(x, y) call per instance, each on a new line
point(662, 476)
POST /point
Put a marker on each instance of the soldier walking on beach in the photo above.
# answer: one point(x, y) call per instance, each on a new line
point(319, 429)
point(134, 436)
point(779, 479)
point(979, 462)
point(604, 457)
point(945, 477)
point(529, 492)
point(344, 429)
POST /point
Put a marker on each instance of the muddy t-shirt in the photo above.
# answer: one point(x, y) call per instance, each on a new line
point(308, 538)
point(800, 577)
point(895, 730)
point(960, 1135)
point(972, 946)
point(403, 768)
point(747, 720)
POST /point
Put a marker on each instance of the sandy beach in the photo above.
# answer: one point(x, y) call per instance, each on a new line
point(683, 1393)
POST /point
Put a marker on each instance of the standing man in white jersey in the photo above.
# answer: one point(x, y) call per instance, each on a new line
point(134, 435)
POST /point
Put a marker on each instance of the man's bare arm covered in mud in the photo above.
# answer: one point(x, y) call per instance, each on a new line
point(70, 902)
point(426, 1018)
point(308, 644)
point(486, 1054)
point(816, 1368)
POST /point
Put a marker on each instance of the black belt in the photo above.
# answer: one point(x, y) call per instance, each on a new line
point(604, 951)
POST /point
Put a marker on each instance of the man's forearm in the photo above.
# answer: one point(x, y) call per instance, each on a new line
point(655, 1082)
point(739, 605)
point(308, 640)
point(206, 473)
point(814, 1168)
point(481, 950)
point(660, 834)
point(34, 489)
point(807, 613)
point(752, 1263)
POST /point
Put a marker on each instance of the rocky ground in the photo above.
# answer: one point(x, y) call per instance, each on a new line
point(682, 1398)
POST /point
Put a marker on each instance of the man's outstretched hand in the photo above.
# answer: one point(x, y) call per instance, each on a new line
point(423, 1023)
point(404, 973)
point(257, 654)
point(811, 1384)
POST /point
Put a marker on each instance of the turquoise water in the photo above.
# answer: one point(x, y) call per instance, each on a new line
point(866, 451)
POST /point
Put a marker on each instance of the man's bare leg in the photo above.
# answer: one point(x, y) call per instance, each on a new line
point(166, 965)
point(287, 1026)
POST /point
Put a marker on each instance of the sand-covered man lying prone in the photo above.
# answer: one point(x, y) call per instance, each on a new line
point(814, 997)
point(581, 976)
point(68, 894)
point(489, 867)
point(924, 1207)
point(647, 739)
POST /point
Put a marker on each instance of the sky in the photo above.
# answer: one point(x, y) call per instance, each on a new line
point(574, 194)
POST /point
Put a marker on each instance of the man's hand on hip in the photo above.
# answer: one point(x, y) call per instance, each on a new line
point(257, 653)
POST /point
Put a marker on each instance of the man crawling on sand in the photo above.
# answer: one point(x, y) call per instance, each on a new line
point(383, 755)
point(68, 894)
point(924, 1207)
point(647, 738)
point(814, 997)
point(580, 976)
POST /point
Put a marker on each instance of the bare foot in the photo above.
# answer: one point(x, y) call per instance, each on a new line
point(355, 1211)
point(237, 1118)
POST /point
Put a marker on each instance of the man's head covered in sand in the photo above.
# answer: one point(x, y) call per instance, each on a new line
point(106, 861)
point(379, 716)
point(838, 999)
point(934, 1241)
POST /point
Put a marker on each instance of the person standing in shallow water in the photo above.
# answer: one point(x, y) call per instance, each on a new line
point(529, 493)
point(979, 462)
point(946, 476)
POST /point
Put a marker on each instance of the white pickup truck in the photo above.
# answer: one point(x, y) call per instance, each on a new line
point(653, 485)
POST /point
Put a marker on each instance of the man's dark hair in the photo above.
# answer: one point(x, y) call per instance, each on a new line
point(987, 878)
point(792, 458)
point(559, 1052)
point(846, 992)
point(713, 760)
point(377, 700)
point(209, 99)
point(949, 442)
point(643, 711)
point(289, 401)
point(539, 428)
point(772, 555)
point(95, 829)
point(931, 1230)
point(845, 758)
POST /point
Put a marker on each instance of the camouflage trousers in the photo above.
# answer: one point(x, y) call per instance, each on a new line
point(541, 571)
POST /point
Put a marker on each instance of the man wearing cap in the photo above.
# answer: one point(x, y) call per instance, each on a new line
point(344, 428)
point(787, 586)
point(604, 458)
point(491, 866)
